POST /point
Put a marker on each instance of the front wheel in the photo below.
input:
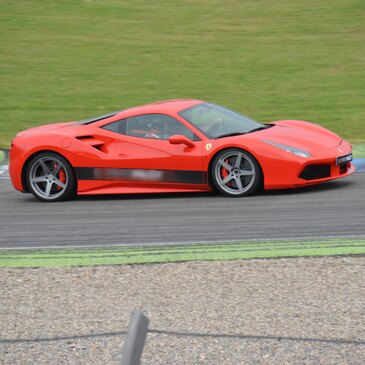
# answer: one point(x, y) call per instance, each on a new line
point(50, 177)
point(236, 173)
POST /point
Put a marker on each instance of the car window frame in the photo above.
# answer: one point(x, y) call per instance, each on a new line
point(124, 123)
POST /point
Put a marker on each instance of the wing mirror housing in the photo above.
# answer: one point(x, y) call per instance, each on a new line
point(180, 139)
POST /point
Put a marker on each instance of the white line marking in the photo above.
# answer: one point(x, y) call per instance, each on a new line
point(181, 243)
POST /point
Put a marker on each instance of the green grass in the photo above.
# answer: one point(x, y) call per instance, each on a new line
point(67, 59)
point(153, 254)
point(359, 151)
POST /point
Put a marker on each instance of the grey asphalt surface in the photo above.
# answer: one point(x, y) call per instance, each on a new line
point(328, 210)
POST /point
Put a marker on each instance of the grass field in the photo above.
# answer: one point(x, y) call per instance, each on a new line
point(67, 59)
point(159, 254)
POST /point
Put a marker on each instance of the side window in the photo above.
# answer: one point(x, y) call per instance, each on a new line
point(157, 126)
point(117, 127)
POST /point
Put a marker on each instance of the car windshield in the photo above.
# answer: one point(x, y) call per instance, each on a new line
point(216, 121)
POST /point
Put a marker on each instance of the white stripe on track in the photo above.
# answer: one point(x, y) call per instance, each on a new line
point(298, 238)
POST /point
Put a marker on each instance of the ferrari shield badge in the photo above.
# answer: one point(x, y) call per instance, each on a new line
point(208, 146)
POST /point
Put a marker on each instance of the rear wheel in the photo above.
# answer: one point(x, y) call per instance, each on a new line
point(50, 177)
point(236, 173)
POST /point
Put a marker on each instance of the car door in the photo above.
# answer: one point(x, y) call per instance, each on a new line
point(144, 154)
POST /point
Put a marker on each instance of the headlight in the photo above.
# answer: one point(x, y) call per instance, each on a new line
point(295, 151)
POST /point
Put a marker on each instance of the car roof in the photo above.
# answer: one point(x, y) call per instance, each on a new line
point(165, 106)
point(173, 106)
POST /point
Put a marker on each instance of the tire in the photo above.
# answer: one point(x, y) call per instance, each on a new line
point(50, 177)
point(235, 173)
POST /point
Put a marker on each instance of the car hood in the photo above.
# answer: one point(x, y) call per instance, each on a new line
point(299, 134)
point(44, 128)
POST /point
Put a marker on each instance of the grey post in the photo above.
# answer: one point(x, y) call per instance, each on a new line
point(136, 336)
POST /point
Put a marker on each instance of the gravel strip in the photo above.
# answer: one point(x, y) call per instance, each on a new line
point(282, 311)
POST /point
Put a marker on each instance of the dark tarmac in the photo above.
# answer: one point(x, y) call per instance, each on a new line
point(332, 209)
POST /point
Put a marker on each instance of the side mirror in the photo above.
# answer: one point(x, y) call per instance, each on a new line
point(180, 139)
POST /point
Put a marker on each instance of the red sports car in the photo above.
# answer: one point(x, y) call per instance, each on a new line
point(174, 146)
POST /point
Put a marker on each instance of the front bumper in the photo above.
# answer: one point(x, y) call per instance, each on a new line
point(330, 170)
point(293, 171)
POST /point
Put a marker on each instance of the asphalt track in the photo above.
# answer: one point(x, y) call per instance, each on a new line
point(333, 209)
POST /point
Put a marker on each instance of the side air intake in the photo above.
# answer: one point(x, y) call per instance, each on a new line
point(313, 172)
point(93, 142)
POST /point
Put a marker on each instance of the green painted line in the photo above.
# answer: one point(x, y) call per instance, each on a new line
point(110, 253)
point(170, 253)
point(358, 150)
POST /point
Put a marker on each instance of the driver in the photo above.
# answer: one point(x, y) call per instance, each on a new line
point(208, 121)
point(159, 129)
point(211, 128)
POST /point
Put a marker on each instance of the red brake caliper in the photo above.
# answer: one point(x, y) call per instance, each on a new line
point(62, 176)
point(225, 173)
